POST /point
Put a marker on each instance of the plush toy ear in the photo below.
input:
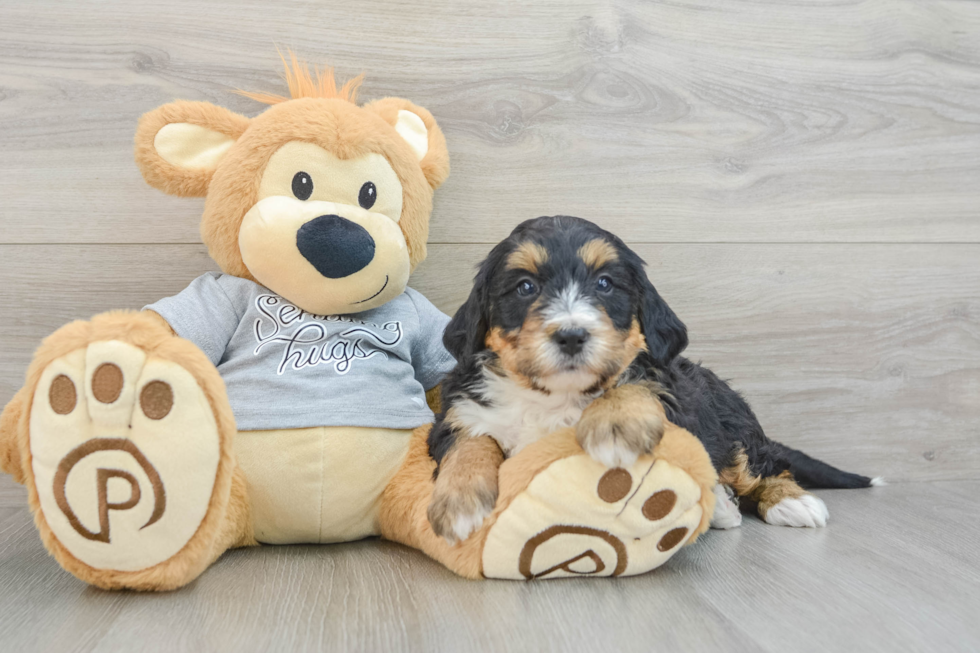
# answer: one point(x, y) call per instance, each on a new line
point(420, 131)
point(179, 145)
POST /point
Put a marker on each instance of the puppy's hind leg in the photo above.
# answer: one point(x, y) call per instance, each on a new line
point(780, 499)
point(782, 502)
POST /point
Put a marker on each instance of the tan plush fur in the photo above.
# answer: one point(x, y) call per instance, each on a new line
point(435, 164)
point(434, 398)
point(403, 518)
point(339, 127)
point(10, 461)
point(227, 520)
point(319, 114)
point(167, 177)
point(677, 446)
point(316, 112)
point(682, 449)
point(403, 512)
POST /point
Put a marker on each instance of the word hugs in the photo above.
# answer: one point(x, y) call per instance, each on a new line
point(308, 340)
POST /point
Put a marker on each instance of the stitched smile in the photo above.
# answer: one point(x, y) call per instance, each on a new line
point(375, 294)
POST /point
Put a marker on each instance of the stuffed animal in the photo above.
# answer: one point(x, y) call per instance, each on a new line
point(283, 400)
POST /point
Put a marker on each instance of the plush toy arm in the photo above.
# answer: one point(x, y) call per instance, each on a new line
point(9, 447)
point(156, 317)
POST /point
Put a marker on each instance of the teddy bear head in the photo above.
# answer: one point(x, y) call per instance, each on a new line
point(321, 200)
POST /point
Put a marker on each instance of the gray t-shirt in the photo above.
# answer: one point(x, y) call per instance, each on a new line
point(286, 368)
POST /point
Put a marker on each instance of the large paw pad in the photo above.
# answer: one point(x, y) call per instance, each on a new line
point(125, 452)
point(579, 518)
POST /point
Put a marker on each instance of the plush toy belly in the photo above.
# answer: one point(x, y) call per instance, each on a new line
point(320, 484)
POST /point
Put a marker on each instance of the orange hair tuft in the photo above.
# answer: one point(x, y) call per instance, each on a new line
point(319, 84)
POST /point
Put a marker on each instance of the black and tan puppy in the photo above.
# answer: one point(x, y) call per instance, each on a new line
point(563, 328)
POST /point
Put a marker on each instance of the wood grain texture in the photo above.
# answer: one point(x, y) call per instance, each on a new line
point(12, 495)
point(867, 356)
point(688, 121)
point(895, 570)
point(802, 178)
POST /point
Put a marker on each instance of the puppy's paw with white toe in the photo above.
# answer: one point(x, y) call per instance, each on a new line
point(726, 515)
point(805, 511)
point(456, 512)
point(619, 427)
point(611, 454)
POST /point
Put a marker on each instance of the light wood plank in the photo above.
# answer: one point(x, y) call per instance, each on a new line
point(686, 121)
point(895, 570)
point(685, 125)
point(866, 355)
point(12, 495)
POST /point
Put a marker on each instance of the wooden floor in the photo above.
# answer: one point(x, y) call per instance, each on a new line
point(897, 569)
point(802, 177)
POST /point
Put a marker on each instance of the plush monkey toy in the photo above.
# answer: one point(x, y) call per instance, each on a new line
point(283, 400)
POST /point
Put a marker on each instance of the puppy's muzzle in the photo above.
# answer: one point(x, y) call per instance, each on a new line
point(335, 246)
point(570, 341)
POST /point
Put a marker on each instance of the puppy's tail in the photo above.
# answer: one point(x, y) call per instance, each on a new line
point(812, 473)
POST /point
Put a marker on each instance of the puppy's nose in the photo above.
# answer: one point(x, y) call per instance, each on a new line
point(570, 341)
point(335, 246)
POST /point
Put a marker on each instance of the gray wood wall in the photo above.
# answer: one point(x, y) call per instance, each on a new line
point(803, 178)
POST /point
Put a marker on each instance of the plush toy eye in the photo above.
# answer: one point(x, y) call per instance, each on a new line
point(604, 284)
point(302, 186)
point(526, 288)
point(368, 195)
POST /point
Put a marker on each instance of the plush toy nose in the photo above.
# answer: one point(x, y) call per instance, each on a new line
point(335, 246)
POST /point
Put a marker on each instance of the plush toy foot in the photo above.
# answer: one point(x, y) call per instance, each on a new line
point(579, 517)
point(129, 459)
point(561, 513)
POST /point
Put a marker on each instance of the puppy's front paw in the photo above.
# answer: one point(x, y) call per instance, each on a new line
point(727, 514)
point(621, 426)
point(458, 509)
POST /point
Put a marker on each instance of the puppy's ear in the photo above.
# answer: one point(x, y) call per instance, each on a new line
point(466, 333)
point(665, 334)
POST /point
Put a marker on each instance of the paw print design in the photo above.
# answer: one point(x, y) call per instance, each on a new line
point(579, 518)
point(125, 452)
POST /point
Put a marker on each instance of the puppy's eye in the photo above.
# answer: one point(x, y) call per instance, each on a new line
point(604, 284)
point(302, 186)
point(368, 195)
point(526, 288)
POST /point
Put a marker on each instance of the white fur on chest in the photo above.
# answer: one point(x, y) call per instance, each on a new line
point(518, 416)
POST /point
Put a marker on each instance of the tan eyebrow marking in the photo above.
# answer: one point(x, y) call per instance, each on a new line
point(528, 256)
point(597, 252)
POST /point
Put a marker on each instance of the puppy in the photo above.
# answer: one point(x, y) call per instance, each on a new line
point(563, 328)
